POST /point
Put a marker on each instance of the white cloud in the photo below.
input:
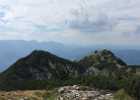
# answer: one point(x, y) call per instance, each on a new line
point(71, 21)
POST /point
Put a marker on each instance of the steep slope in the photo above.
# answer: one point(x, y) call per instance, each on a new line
point(41, 65)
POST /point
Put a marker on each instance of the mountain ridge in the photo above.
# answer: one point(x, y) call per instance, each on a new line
point(44, 70)
point(38, 63)
point(12, 50)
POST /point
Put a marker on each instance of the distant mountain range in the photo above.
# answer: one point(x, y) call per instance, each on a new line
point(11, 50)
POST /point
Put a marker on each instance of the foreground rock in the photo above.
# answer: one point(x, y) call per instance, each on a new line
point(83, 93)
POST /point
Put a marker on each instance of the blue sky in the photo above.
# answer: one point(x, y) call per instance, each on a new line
point(79, 22)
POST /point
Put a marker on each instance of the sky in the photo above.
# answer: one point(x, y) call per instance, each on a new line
point(81, 22)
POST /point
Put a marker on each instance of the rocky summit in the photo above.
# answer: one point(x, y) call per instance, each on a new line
point(83, 93)
point(102, 59)
point(103, 62)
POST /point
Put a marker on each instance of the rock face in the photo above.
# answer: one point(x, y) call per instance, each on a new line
point(83, 93)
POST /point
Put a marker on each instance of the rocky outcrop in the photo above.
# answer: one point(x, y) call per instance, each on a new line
point(103, 62)
point(83, 93)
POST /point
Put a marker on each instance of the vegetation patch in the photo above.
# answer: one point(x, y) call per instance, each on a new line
point(122, 95)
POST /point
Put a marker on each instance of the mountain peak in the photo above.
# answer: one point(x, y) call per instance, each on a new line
point(42, 65)
point(103, 59)
point(39, 52)
point(40, 55)
point(104, 52)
